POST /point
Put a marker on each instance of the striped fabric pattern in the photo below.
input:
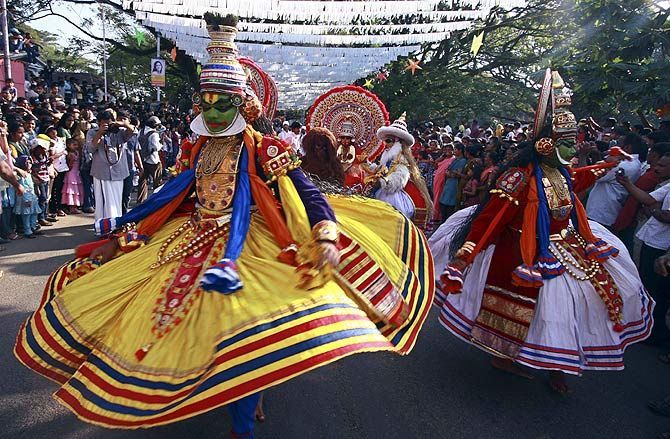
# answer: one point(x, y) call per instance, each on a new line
point(572, 361)
point(100, 390)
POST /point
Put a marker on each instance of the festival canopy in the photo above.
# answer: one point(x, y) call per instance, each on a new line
point(308, 46)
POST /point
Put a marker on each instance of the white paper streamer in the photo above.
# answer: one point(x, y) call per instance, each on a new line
point(310, 46)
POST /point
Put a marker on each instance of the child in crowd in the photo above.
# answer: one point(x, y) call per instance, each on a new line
point(27, 205)
point(471, 188)
point(73, 186)
point(40, 171)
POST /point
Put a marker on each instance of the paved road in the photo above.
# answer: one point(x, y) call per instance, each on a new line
point(444, 389)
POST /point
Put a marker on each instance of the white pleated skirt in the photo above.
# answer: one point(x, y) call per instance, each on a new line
point(570, 330)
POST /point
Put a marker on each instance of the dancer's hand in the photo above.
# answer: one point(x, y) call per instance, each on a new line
point(106, 252)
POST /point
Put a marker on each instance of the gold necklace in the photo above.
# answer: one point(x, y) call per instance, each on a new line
point(557, 181)
point(188, 246)
point(214, 153)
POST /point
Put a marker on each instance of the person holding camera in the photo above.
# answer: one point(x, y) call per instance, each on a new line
point(150, 144)
point(655, 237)
point(109, 167)
point(608, 195)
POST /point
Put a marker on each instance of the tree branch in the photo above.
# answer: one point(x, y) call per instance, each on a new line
point(118, 45)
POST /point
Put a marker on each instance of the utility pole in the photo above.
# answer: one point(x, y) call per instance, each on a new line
point(104, 50)
point(158, 55)
point(5, 40)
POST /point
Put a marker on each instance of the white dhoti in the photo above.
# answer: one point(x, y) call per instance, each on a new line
point(108, 195)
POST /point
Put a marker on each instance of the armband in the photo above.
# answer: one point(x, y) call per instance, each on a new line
point(511, 184)
point(276, 158)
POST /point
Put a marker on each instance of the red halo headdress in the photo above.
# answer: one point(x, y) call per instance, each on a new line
point(263, 85)
point(354, 105)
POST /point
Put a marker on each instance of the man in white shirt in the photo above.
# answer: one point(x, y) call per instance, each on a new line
point(149, 145)
point(655, 237)
point(286, 135)
point(608, 196)
point(296, 140)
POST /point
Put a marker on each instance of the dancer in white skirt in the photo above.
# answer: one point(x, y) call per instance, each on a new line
point(527, 278)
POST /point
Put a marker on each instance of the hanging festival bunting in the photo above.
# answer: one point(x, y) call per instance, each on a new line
point(309, 46)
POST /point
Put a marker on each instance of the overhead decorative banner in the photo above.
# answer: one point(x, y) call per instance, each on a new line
point(157, 72)
point(311, 46)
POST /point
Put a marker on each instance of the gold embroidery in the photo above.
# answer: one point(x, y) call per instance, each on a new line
point(502, 324)
point(509, 293)
point(557, 192)
point(508, 309)
point(216, 173)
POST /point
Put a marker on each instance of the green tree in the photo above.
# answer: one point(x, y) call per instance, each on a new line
point(614, 54)
point(128, 58)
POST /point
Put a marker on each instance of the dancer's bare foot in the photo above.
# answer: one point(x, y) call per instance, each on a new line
point(557, 383)
point(511, 367)
point(260, 415)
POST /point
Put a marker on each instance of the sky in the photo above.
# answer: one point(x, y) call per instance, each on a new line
point(62, 28)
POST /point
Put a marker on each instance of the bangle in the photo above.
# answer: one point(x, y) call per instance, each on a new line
point(325, 230)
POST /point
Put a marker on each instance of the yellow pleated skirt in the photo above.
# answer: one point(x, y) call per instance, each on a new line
point(217, 348)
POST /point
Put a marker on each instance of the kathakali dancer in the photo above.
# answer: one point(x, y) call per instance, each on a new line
point(346, 148)
point(238, 275)
point(528, 278)
point(398, 180)
point(353, 114)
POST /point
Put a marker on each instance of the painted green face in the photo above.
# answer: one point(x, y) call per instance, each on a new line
point(218, 111)
point(562, 155)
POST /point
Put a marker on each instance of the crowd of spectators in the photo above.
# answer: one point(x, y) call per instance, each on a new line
point(74, 150)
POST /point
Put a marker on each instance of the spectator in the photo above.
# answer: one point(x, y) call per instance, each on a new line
point(150, 168)
point(58, 155)
point(630, 218)
point(655, 237)
point(296, 138)
point(471, 186)
point(134, 164)
point(286, 134)
point(608, 195)
point(8, 191)
point(109, 168)
point(449, 196)
point(439, 177)
point(27, 206)
point(15, 41)
point(17, 143)
point(72, 193)
point(11, 88)
point(490, 170)
point(40, 173)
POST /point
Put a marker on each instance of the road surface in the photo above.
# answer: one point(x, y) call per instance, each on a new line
point(444, 389)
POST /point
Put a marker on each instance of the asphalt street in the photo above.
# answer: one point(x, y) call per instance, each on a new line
point(443, 389)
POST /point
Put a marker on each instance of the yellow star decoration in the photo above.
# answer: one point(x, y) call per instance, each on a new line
point(413, 66)
point(477, 42)
point(369, 84)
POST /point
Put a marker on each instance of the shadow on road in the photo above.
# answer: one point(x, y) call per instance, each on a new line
point(54, 239)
